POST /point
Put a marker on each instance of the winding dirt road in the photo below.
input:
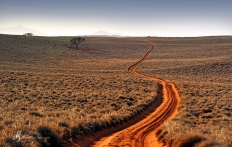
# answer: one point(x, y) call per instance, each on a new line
point(142, 134)
point(139, 132)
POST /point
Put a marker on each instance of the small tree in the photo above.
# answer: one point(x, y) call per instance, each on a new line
point(77, 41)
point(28, 34)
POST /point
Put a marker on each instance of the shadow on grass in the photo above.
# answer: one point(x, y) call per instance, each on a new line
point(14, 143)
point(52, 139)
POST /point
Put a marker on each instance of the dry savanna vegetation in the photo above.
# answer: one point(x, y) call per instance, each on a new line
point(50, 90)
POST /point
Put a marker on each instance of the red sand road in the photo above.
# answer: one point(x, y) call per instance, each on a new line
point(139, 132)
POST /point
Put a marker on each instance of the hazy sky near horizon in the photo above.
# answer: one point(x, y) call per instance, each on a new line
point(125, 17)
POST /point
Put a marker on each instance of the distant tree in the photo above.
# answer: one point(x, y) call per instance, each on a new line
point(77, 41)
point(28, 34)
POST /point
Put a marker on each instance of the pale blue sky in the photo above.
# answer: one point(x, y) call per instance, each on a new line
point(126, 17)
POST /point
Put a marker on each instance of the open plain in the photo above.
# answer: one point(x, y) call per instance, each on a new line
point(48, 89)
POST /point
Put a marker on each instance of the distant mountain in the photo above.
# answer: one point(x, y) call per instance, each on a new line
point(20, 30)
point(104, 33)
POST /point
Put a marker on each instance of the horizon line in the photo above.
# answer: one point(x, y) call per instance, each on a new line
point(119, 35)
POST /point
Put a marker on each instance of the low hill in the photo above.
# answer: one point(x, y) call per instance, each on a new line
point(20, 30)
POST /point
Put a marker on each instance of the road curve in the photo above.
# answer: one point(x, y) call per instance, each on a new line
point(142, 134)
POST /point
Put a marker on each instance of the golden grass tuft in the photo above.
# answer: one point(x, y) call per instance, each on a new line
point(191, 140)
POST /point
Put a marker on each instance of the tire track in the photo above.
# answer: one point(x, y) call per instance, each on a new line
point(142, 134)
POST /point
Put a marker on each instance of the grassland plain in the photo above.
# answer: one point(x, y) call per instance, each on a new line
point(50, 90)
point(201, 68)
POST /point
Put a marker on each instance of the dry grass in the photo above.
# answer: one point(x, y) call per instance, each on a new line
point(52, 91)
point(201, 68)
